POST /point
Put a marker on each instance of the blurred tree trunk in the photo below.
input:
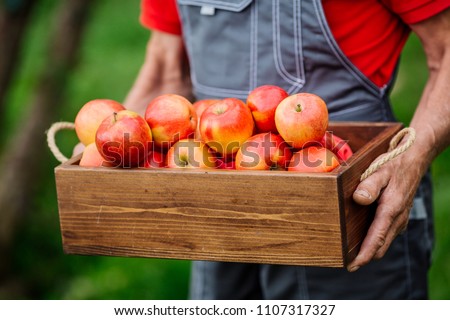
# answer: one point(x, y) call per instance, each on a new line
point(20, 166)
point(14, 17)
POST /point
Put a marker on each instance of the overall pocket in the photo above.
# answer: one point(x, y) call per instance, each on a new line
point(219, 44)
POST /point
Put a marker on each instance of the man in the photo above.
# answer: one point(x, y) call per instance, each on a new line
point(346, 52)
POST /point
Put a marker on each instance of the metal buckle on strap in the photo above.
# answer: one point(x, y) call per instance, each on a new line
point(207, 11)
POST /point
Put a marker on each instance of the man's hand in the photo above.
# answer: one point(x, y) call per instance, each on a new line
point(393, 186)
point(165, 70)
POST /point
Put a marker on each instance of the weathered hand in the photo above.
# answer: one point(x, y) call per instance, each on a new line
point(393, 187)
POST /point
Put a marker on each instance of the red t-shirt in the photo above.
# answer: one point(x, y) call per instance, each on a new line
point(371, 33)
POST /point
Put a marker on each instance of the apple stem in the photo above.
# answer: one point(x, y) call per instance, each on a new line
point(298, 108)
point(115, 116)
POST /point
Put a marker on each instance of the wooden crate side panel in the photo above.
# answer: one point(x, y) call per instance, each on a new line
point(360, 133)
point(263, 218)
point(357, 217)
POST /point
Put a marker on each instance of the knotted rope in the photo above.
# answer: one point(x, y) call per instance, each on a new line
point(394, 150)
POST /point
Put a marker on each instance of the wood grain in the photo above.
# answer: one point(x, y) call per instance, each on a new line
point(220, 215)
point(200, 215)
point(357, 218)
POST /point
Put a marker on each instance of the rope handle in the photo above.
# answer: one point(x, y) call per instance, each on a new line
point(394, 150)
point(57, 126)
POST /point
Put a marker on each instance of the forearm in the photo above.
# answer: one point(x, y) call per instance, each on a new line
point(165, 70)
point(432, 117)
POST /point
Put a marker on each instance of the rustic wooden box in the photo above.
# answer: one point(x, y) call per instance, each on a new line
point(222, 215)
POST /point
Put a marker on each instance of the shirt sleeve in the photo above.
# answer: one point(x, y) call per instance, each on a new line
point(414, 11)
point(161, 15)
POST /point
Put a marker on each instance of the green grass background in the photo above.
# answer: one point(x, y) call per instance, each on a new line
point(111, 54)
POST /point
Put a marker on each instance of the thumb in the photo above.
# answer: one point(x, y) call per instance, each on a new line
point(370, 188)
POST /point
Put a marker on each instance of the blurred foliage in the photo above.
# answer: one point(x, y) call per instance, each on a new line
point(112, 52)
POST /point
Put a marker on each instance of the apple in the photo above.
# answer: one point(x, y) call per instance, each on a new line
point(90, 116)
point(190, 153)
point(336, 144)
point(155, 159)
point(225, 125)
point(264, 151)
point(313, 159)
point(200, 106)
point(263, 101)
point(123, 139)
point(91, 157)
point(171, 117)
point(301, 118)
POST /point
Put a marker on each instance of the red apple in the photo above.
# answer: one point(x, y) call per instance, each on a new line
point(263, 102)
point(171, 118)
point(123, 139)
point(313, 159)
point(155, 159)
point(339, 146)
point(91, 157)
point(190, 153)
point(264, 151)
point(301, 119)
point(200, 106)
point(90, 116)
point(225, 125)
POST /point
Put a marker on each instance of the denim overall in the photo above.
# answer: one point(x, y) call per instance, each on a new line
point(237, 45)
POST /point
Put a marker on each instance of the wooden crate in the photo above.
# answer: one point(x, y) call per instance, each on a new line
point(222, 215)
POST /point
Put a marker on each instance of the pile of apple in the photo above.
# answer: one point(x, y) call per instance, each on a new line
point(272, 131)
